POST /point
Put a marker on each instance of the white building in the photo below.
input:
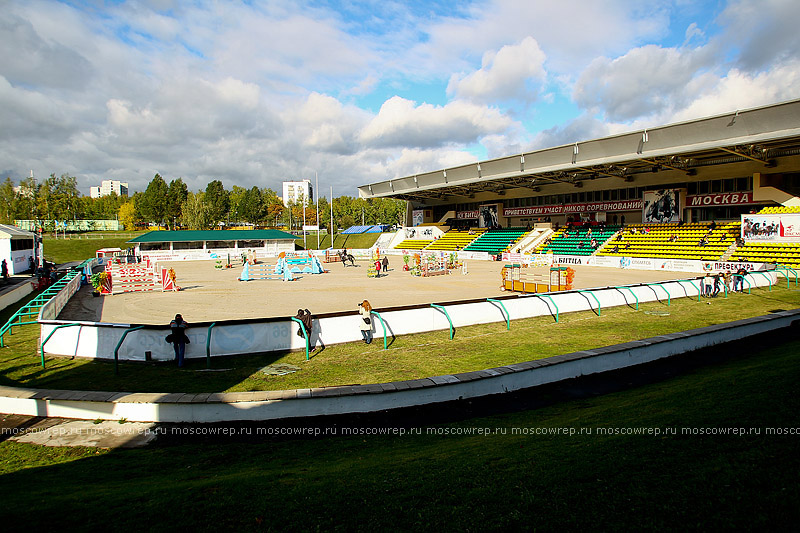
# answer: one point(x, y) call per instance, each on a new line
point(107, 187)
point(294, 191)
point(17, 247)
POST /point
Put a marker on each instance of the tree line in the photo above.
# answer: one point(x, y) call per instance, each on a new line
point(172, 205)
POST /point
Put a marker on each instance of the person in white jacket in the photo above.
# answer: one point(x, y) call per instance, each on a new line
point(364, 310)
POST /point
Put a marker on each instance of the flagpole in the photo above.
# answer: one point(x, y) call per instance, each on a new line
point(331, 216)
point(317, 205)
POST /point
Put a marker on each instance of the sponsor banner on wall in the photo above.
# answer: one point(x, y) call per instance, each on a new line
point(481, 256)
point(638, 263)
point(728, 198)
point(417, 217)
point(572, 259)
point(606, 261)
point(784, 227)
point(488, 216)
point(661, 206)
point(516, 258)
point(733, 266)
point(467, 215)
point(587, 207)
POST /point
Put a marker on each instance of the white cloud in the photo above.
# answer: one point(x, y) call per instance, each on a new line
point(765, 31)
point(508, 74)
point(647, 80)
point(401, 122)
point(570, 32)
point(741, 90)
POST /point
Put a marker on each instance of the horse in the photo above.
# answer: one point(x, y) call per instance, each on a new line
point(344, 256)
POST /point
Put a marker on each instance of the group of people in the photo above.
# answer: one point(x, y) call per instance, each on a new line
point(381, 264)
point(713, 284)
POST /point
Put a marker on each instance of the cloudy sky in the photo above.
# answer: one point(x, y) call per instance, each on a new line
point(258, 92)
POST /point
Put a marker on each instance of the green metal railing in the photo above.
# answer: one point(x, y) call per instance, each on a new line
point(303, 329)
point(23, 315)
point(699, 287)
point(116, 350)
point(443, 310)
point(208, 345)
point(505, 311)
point(551, 301)
point(632, 294)
point(784, 270)
point(769, 280)
point(377, 314)
point(744, 278)
point(669, 296)
point(593, 295)
point(41, 347)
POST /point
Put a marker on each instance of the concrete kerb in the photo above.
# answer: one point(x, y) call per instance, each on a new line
point(272, 405)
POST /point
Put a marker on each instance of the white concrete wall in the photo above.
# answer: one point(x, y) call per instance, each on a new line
point(270, 405)
point(15, 294)
point(97, 340)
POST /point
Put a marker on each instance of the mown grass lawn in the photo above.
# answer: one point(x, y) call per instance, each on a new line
point(76, 248)
point(528, 473)
point(408, 357)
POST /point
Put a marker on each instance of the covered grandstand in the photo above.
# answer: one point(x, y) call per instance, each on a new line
point(685, 188)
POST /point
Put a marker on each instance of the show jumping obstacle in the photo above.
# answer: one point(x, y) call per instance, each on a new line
point(140, 277)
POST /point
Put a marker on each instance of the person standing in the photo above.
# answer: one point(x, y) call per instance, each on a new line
point(365, 310)
point(4, 269)
point(385, 263)
point(377, 268)
point(178, 338)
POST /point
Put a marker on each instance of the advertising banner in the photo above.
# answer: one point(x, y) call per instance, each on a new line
point(488, 216)
point(783, 227)
point(661, 206)
point(587, 207)
point(417, 217)
point(728, 198)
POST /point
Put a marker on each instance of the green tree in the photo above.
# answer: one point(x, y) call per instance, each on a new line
point(26, 207)
point(252, 207)
point(273, 207)
point(152, 204)
point(177, 194)
point(127, 215)
point(217, 202)
point(194, 212)
point(7, 201)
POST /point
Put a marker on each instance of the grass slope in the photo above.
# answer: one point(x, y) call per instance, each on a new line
point(78, 249)
point(409, 357)
point(447, 479)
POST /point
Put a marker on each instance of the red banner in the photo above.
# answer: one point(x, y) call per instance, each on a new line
point(588, 207)
point(728, 198)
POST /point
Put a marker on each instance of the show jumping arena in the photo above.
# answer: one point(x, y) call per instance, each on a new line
point(227, 317)
point(208, 294)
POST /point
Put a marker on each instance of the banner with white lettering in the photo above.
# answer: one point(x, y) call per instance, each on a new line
point(783, 227)
point(728, 198)
point(586, 207)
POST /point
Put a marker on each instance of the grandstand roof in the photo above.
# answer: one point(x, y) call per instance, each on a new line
point(214, 235)
point(761, 135)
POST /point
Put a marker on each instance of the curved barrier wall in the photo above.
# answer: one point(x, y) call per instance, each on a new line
point(99, 340)
point(271, 405)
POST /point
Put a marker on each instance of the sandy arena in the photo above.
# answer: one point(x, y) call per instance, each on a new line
point(209, 294)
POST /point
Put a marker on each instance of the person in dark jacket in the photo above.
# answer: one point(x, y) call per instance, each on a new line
point(178, 338)
point(307, 319)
